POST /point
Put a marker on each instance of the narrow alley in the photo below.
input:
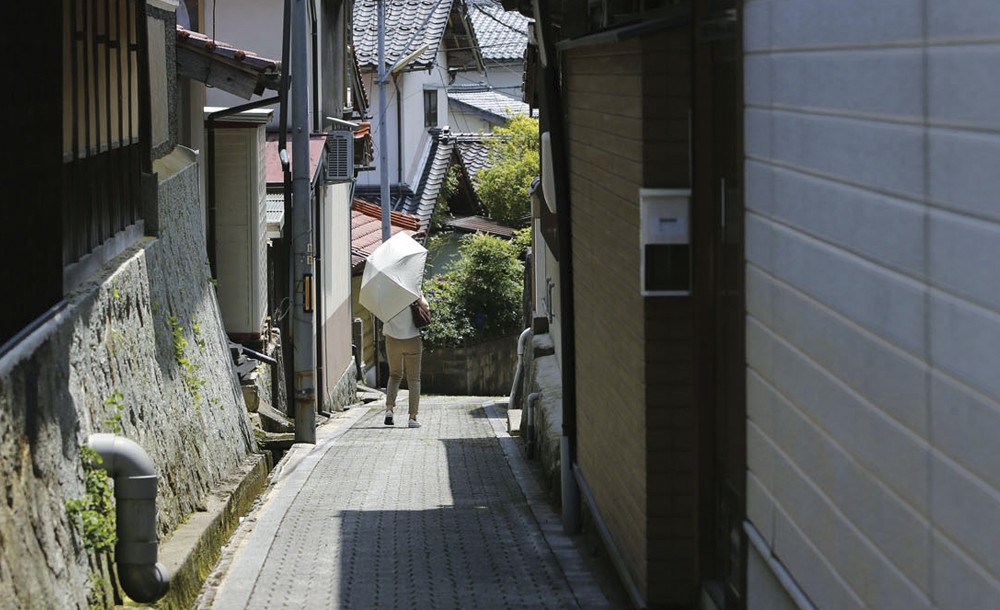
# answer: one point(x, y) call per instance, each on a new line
point(448, 515)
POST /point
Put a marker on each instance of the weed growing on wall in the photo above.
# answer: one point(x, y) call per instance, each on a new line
point(198, 339)
point(94, 515)
point(189, 370)
point(114, 421)
point(94, 518)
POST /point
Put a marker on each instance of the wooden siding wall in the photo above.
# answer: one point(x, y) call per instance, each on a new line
point(671, 416)
point(605, 131)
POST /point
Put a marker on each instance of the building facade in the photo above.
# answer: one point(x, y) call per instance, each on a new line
point(119, 330)
point(330, 74)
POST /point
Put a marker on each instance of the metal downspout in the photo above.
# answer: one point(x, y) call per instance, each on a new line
point(143, 579)
point(321, 393)
point(531, 432)
point(286, 191)
point(315, 65)
point(515, 389)
point(399, 138)
point(552, 100)
point(383, 135)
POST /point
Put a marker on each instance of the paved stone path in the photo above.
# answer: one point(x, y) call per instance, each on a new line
point(443, 516)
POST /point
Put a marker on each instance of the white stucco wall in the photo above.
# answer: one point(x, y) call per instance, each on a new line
point(409, 90)
point(336, 299)
point(873, 299)
point(505, 77)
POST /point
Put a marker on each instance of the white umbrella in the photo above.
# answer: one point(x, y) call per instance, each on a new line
point(393, 275)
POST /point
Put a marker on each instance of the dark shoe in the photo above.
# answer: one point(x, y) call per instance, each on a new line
point(388, 417)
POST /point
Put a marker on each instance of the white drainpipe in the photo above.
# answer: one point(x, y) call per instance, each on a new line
point(515, 389)
point(142, 577)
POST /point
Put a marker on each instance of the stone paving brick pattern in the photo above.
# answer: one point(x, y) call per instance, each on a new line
point(431, 517)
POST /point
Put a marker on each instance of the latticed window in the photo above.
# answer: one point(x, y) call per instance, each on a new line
point(103, 66)
point(81, 121)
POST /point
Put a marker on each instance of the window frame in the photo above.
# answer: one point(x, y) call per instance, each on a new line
point(431, 107)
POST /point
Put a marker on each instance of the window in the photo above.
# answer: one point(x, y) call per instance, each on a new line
point(101, 122)
point(430, 108)
point(83, 112)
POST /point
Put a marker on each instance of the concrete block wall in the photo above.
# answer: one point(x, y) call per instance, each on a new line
point(873, 302)
point(110, 361)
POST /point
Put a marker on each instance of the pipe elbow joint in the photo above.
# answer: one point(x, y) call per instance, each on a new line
point(144, 583)
point(142, 578)
point(121, 456)
point(522, 341)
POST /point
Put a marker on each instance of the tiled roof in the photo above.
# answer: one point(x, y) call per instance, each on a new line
point(274, 175)
point(255, 73)
point(473, 151)
point(409, 24)
point(478, 224)
point(502, 35)
point(436, 165)
point(486, 103)
point(373, 194)
point(366, 229)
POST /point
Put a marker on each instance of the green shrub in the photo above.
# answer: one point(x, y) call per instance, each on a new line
point(479, 297)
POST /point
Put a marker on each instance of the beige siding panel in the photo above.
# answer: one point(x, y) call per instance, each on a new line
point(624, 127)
point(605, 165)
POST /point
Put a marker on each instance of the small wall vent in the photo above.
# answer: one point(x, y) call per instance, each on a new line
point(339, 156)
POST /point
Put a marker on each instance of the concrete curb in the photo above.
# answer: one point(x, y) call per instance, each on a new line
point(191, 552)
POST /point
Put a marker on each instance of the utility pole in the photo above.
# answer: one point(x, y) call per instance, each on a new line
point(383, 142)
point(303, 321)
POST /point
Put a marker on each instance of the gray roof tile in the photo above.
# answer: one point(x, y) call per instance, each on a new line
point(428, 189)
point(488, 104)
point(502, 35)
point(473, 150)
point(409, 24)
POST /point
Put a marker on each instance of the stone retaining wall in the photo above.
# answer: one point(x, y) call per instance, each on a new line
point(486, 369)
point(139, 351)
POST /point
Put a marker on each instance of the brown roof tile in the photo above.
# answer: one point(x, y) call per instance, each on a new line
point(366, 229)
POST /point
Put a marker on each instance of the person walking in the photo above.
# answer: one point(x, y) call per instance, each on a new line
point(404, 351)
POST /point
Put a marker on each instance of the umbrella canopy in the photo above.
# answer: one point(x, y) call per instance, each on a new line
point(393, 276)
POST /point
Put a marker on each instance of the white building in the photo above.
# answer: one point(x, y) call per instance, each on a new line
point(431, 49)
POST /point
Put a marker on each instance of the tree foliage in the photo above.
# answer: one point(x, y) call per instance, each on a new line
point(513, 162)
point(479, 297)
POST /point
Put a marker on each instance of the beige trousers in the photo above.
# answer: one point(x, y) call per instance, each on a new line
point(404, 357)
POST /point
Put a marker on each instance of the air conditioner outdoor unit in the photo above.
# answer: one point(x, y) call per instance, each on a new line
point(339, 156)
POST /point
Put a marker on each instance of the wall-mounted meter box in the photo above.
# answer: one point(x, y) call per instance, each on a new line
point(665, 242)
